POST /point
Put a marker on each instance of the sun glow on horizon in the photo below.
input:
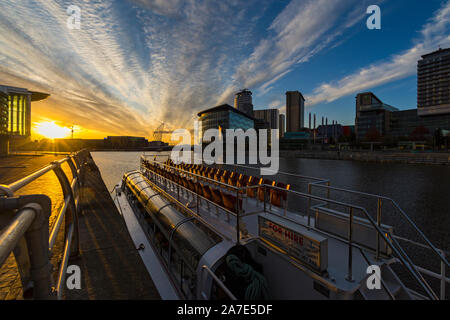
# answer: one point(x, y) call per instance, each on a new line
point(49, 129)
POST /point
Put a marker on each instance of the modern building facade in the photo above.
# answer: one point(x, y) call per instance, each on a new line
point(282, 125)
point(376, 119)
point(295, 111)
point(15, 114)
point(433, 83)
point(243, 102)
point(223, 117)
point(372, 116)
point(271, 116)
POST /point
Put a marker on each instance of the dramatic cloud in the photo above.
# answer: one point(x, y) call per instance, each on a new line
point(301, 30)
point(435, 33)
point(130, 66)
point(137, 63)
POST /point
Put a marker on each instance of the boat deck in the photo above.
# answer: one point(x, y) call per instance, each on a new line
point(225, 223)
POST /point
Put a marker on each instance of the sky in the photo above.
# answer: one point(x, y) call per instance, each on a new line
point(135, 64)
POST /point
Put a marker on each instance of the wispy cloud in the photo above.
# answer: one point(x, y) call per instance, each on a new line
point(300, 31)
point(433, 34)
point(130, 66)
point(135, 63)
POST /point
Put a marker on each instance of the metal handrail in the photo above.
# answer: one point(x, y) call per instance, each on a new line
point(68, 212)
point(402, 212)
point(219, 282)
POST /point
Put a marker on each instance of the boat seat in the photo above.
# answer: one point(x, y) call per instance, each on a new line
point(233, 179)
point(230, 202)
point(217, 198)
point(278, 197)
point(252, 181)
point(225, 176)
point(207, 192)
point(218, 174)
point(261, 189)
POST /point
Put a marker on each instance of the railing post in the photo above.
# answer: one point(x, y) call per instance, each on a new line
point(379, 208)
point(443, 280)
point(265, 190)
point(350, 248)
point(37, 242)
point(71, 216)
point(238, 211)
point(309, 205)
point(328, 194)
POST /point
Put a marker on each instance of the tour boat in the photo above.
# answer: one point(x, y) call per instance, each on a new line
point(206, 233)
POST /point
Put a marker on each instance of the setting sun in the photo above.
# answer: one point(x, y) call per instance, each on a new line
point(51, 130)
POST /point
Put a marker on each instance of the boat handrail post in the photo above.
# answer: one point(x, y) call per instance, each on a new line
point(265, 191)
point(238, 213)
point(309, 205)
point(443, 278)
point(379, 209)
point(350, 247)
point(219, 282)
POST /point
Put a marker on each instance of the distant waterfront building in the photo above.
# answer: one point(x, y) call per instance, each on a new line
point(243, 102)
point(271, 116)
point(371, 114)
point(282, 125)
point(433, 83)
point(224, 117)
point(375, 118)
point(295, 111)
point(125, 142)
point(15, 115)
point(330, 131)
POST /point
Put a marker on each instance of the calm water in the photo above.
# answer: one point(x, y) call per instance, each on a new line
point(422, 191)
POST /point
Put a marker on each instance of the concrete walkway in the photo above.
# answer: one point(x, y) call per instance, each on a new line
point(111, 267)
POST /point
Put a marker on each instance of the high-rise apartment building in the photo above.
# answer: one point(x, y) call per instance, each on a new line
point(295, 111)
point(243, 102)
point(270, 116)
point(433, 83)
point(282, 125)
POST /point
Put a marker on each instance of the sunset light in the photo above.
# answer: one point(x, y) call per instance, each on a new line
point(51, 130)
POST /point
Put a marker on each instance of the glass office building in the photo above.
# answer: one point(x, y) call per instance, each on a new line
point(371, 113)
point(433, 83)
point(3, 113)
point(18, 102)
point(15, 114)
point(223, 117)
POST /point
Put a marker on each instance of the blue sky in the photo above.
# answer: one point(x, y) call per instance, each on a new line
point(135, 63)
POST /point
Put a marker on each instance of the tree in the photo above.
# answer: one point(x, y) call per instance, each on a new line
point(419, 134)
point(372, 135)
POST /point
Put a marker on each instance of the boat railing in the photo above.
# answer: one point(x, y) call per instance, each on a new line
point(439, 253)
point(392, 242)
point(164, 189)
point(25, 223)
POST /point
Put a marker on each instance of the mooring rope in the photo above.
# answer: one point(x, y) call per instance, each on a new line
point(257, 285)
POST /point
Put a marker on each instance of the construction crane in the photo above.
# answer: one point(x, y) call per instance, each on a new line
point(158, 133)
